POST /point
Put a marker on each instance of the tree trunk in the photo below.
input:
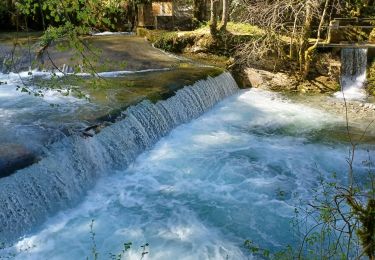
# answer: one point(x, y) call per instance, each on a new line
point(199, 10)
point(310, 50)
point(213, 20)
point(304, 42)
point(292, 47)
point(224, 18)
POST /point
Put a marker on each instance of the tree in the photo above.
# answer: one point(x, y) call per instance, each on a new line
point(199, 10)
point(306, 33)
point(288, 23)
point(225, 16)
point(7, 14)
point(273, 18)
point(309, 51)
point(213, 18)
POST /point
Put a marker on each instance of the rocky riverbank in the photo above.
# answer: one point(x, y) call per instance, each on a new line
point(270, 72)
point(281, 81)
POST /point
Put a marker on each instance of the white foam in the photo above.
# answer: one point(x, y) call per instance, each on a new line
point(205, 188)
point(111, 74)
point(17, 77)
point(112, 33)
point(353, 74)
point(352, 93)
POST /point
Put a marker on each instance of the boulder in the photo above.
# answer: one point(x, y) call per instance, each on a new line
point(269, 80)
point(14, 157)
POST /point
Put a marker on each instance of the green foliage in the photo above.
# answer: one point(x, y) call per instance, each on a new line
point(168, 41)
point(244, 28)
point(338, 223)
point(255, 249)
point(6, 13)
point(69, 21)
point(91, 13)
point(358, 8)
point(66, 23)
point(371, 78)
point(3, 9)
point(225, 42)
point(119, 256)
point(236, 28)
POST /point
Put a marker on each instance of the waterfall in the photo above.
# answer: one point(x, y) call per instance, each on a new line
point(73, 165)
point(353, 72)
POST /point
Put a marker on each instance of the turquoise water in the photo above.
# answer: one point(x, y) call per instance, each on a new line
point(206, 187)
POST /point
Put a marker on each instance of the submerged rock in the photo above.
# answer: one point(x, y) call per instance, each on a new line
point(14, 157)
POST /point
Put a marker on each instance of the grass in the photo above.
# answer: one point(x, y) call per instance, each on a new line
point(371, 78)
point(233, 28)
point(244, 29)
point(201, 40)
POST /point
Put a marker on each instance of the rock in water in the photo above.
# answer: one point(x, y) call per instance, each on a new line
point(14, 157)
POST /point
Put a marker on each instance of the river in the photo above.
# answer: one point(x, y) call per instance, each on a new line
point(190, 174)
point(237, 172)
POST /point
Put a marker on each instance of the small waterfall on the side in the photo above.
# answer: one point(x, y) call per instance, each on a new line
point(73, 165)
point(353, 73)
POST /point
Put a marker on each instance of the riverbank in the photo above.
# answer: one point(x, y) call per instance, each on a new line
point(317, 90)
point(321, 90)
point(158, 75)
point(270, 72)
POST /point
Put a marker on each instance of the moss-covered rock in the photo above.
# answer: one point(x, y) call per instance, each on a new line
point(199, 41)
point(166, 40)
point(372, 36)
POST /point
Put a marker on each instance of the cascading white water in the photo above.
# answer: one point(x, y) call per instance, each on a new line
point(235, 173)
point(353, 73)
point(74, 164)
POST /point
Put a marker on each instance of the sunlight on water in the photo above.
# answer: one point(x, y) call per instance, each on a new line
point(205, 188)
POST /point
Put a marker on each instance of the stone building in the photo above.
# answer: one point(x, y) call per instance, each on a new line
point(166, 14)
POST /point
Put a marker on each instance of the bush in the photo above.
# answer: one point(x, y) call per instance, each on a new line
point(371, 78)
point(168, 41)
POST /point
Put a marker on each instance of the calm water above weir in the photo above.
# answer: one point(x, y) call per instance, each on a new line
point(206, 187)
point(29, 124)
